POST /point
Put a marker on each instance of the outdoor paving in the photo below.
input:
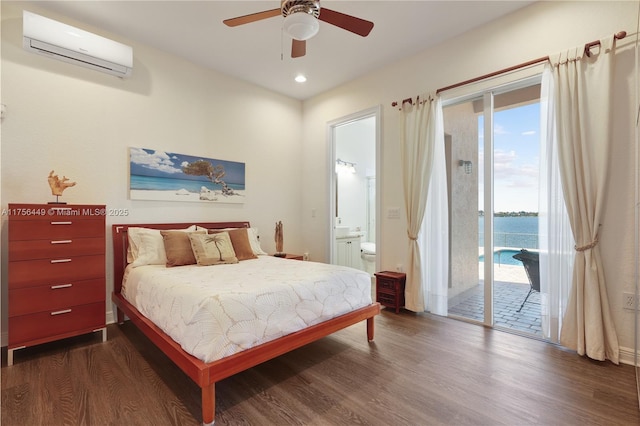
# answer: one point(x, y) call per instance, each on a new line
point(511, 286)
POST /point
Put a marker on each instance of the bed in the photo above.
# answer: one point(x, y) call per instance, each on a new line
point(206, 373)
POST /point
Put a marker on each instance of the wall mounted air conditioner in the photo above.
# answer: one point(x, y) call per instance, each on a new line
point(56, 40)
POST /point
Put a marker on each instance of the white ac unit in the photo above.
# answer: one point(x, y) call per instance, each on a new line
point(63, 42)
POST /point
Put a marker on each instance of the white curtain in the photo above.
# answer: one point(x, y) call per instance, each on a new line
point(582, 100)
point(434, 234)
point(417, 142)
point(556, 241)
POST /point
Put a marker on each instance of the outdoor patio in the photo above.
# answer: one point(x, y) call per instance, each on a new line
point(511, 286)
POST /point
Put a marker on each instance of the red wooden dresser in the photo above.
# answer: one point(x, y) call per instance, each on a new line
point(56, 273)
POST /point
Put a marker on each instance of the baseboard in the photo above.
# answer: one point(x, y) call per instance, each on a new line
point(627, 356)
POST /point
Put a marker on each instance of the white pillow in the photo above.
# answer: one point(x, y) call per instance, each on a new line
point(254, 240)
point(146, 246)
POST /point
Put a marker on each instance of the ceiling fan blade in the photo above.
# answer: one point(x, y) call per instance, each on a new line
point(298, 48)
point(346, 22)
point(240, 20)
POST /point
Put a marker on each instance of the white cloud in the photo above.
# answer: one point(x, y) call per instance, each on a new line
point(499, 129)
point(528, 133)
point(157, 160)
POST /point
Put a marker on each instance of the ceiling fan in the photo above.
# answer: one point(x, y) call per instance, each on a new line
point(301, 21)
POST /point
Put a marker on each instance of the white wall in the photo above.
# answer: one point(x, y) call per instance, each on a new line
point(80, 123)
point(533, 32)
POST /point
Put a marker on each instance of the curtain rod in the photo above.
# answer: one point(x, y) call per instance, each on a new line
point(587, 50)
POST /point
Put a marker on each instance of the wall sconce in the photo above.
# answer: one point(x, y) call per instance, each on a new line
point(468, 167)
point(345, 166)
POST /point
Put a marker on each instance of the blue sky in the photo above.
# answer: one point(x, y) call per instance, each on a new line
point(516, 158)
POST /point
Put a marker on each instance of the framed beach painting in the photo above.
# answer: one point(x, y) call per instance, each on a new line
point(168, 176)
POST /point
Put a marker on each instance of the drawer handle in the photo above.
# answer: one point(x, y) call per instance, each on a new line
point(62, 223)
point(55, 287)
point(60, 260)
point(64, 311)
point(61, 242)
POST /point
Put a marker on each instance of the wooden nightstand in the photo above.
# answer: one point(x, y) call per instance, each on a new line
point(390, 289)
point(293, 256)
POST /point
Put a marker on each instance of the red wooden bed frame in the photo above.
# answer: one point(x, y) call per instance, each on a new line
point(207, 374)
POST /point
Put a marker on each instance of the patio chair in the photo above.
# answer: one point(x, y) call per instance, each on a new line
point(531, 262)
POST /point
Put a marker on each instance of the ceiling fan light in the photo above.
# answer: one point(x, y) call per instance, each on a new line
point(301, 26)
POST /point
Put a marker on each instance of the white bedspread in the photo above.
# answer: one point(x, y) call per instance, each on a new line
point(216, 311)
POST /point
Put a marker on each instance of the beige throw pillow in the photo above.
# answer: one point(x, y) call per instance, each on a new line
point(212, 249)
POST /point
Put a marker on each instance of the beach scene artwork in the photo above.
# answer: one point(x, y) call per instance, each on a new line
point(167, 176)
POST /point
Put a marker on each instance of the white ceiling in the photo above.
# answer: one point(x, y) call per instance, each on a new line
point(259, 53)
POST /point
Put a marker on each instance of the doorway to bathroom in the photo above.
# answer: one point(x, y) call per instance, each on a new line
point(354, 143)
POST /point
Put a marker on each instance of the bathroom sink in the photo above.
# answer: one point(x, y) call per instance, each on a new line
point(342, 231)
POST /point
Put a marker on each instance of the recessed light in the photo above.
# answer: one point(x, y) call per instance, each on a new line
point(301, 78)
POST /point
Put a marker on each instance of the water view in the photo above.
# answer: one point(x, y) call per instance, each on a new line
point(512, 231)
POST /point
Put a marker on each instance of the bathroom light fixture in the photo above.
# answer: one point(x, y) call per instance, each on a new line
point(345, 166)
point(300, 78)
point(301, 25)
point(468, 166)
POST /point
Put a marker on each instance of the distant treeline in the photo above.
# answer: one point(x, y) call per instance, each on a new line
point(509, 214)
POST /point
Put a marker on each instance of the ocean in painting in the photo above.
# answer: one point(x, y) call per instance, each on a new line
point(151, 183)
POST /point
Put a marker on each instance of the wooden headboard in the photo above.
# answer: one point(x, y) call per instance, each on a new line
point(121, 241)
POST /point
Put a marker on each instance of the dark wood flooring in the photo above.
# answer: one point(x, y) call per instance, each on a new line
point(421, 370)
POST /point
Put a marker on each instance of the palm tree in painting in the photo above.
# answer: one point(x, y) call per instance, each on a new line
point(214, 173)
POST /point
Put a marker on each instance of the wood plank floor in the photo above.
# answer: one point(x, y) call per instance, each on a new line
point(421, 370)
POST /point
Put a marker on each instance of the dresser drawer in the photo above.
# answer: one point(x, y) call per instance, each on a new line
point(41, 325)
point(55, 249)
point(29, 273)
point(55, 229)
point(30, 300)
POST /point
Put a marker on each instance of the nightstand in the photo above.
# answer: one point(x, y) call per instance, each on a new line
point(390, 289)
point(292, 256)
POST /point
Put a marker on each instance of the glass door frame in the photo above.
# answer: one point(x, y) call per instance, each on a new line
point(487, 93)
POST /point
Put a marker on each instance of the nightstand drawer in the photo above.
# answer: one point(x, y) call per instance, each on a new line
point(386, 284)
point(52, 249)
point(28, 273)
point(32, 327)
point(387, 299)
point(55, 297)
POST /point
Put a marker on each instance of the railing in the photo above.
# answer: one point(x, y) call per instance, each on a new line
point(515, 240)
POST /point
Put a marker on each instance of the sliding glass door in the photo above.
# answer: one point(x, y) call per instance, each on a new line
point(493, 155)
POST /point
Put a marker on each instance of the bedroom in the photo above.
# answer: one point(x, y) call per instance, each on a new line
point(86, 122)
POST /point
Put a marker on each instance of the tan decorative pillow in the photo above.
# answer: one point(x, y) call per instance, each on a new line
point(177, 246)
point(240, 241)
point(212, 249)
